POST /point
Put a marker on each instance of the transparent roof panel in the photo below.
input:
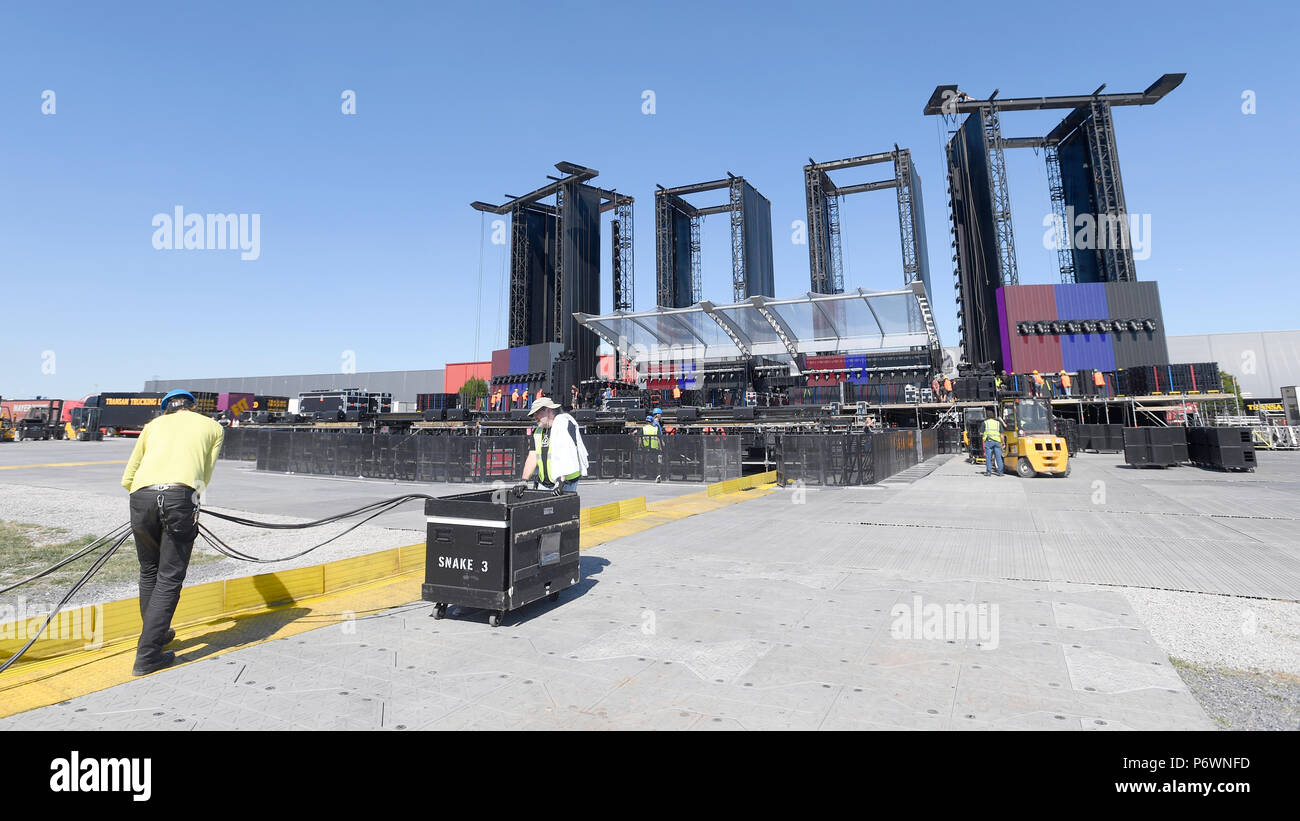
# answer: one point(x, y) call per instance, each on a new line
point(805, 321)
point(751, 323)
point(894, 315)
point(707, 329)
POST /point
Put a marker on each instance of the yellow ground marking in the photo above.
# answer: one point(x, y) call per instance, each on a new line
point(64, 464)
point(217, 617)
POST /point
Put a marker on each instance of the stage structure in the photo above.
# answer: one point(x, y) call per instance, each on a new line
point(767, 331)
point(555, 261)
point(677, 241)
point(822, 194)
point(1085, 185)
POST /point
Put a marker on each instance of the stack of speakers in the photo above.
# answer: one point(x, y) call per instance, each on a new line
point(1161, 447)
point(1101, 438)
point(1222, 448)
point(1068, 429)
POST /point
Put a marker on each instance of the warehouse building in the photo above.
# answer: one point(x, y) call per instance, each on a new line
point(403, 385)
point(1263, 362)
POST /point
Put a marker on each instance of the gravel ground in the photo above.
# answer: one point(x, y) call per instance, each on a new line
point(1240, 657)
point(1245, 700)
point(91, 514)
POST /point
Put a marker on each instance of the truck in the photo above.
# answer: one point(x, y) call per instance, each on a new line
point(38, 418)
point(116, 414)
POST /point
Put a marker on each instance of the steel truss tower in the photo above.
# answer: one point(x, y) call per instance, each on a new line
point(821, 194)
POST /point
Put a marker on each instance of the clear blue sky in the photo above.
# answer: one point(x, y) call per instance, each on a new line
point(368, 243)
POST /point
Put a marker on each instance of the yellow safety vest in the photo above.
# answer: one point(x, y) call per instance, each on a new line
point(992, 430)
point(545, 470)
point(650, 436)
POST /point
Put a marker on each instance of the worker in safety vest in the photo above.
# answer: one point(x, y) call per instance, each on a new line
point(1099, 380)
point(652, 440)
point(947, 389)
point(559, 456)
point(514, 398)
point(992, 445)
point(525, 398)
point(1038, 384)
point(1065, 382)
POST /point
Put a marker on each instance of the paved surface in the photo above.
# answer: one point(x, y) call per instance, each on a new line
point(240, 486)
point(794, 611)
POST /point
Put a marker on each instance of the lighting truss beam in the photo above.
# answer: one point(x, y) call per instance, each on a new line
point(944, 99)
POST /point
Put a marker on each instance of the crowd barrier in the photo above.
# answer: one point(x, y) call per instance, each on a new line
point(852, 458)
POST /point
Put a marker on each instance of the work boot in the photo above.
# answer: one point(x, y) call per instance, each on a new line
point(170, 637)
point(162, 663)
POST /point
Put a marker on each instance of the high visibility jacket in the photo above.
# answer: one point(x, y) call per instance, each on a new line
point(561, 453)
point(992, 430)
point(1098, 379)
point(1038, 379)
point(1065, 379)
point(650, 436)
point(947, 385)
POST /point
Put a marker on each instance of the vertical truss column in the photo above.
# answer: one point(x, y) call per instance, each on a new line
point(1113, 244)
point(518, 279)
point(663, 252)
point(818, 250)
point(1056, 190)
point(738, 238)
point(1001, 200)
point(906, 234)
point(624, 276)
point(696, 287)
point(560, 203)
point(956, 252)
point(837, 256)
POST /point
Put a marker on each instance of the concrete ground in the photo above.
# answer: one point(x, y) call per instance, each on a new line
point(940, 600)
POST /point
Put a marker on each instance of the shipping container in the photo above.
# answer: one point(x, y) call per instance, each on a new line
point(1080, 351)
point(271, 404)
point(122, 413)
point(1140, 301)
point(235, 403)
point(458, 373)
point(1036, 351)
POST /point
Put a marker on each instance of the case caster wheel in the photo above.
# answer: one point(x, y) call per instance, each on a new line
point(494, 619)
point(553, 597)
point(439, 611)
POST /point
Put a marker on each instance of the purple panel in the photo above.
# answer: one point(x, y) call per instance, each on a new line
point(1085, 300)
point(1002, 329)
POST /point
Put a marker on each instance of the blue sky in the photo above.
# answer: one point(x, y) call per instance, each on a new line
point(367, 240)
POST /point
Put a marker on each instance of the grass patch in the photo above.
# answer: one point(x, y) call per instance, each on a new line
point(26, 549)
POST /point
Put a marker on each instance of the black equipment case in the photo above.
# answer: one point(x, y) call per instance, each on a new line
point(492, 550)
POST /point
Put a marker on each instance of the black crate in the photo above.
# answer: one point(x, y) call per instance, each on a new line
point(491, 550)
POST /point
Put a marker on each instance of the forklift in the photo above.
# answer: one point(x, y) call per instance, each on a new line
point(1029, 443)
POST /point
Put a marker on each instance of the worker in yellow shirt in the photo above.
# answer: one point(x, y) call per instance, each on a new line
point(168, 470)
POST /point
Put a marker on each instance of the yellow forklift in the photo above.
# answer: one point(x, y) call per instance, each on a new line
point(1030, 447)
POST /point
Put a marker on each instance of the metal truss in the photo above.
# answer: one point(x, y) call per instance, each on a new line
point(737, 189)
point(1000, 198)
point(1056, 190)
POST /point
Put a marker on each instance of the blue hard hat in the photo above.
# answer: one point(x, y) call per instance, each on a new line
point(649, 419)
point(170, 395)
point(656, 411)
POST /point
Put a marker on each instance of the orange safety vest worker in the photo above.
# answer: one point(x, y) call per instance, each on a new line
point(525, 399)
point(1065, 379)
point(1098, 379)
point(514, 398)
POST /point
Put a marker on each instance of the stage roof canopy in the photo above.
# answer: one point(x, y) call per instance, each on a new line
point(853, 322)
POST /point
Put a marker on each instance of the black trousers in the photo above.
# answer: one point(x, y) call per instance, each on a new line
point(165, 524)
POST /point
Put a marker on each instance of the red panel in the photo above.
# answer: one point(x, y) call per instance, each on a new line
point(1027, 303)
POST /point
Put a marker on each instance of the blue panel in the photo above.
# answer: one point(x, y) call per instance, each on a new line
point(1084, 351)
point(518, 361)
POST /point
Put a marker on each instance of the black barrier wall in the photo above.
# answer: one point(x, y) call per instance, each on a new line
point(852, 458)
point(426, 458)
point(818, 459)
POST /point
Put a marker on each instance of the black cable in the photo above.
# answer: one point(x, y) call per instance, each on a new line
point(73, 591)
point(119, 535)
point(113, 534)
